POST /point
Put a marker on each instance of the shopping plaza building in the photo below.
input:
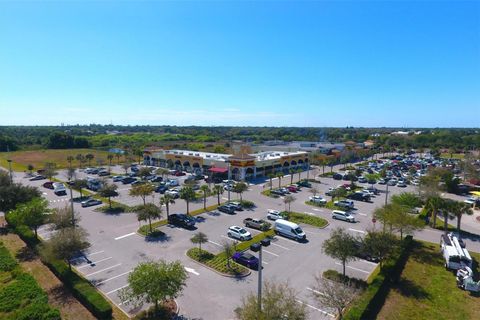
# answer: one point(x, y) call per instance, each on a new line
point(242, 164)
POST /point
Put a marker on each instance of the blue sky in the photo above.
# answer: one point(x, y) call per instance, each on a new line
point(287, 63)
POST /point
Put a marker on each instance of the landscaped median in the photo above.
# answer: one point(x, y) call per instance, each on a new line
point(304, 218)
point(81, 288)
point(219, 262)
point(145, 229)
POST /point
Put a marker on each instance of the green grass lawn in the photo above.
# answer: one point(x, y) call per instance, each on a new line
point(428, 291)
point(446, 155)
point(38, 158)
point(304, 218)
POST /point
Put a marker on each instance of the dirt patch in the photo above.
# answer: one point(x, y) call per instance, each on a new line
point(58, 295)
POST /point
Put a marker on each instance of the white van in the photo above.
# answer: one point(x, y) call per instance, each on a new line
point(342, 215)
point(289, 229)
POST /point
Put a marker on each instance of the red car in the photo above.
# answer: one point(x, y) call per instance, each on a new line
point(48, 185)
point(179, 173)
point(292, 188)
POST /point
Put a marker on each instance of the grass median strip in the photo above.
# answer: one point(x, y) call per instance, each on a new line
point(304, 218)
point(217, 262)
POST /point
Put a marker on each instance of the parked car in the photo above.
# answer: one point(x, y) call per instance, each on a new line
point(362, 180)
point(48, 185)
point(275, 214)
point(246, 259)
point(226, 209)
point(284, 190)
point(161, 189)
point(360, 196)
point(182, 220)
point(330, 191)
point(257, 224)
point(277, 192)
point(304, 183)
point(292, 188)
point(179, 173)
point(289, 229)
point(318, 200)
point(382, 181)
point(128, 180)
point(90, 202)
point(337, 176)
point(228, 187)
point(239, 233)
point(175, 194)
point(156, 179)
point(59, 189)
point(103, 173)
point(342, 215)
point(137, 182)
point(348, 204)
point(236, 205)
point(118, 178)
point(402, 185)
point(37, 177)
point(362, 252)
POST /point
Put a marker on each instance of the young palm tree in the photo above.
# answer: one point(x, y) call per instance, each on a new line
point(167, 200)
point(292, 172)
point(89, 157)
point(279, 175)
point(271, 176)
point(199, 238)
point(148, 212)
point(70, 159)
point(79, 157)
point(463, 208)
point(205, 189)
point(433, 204)
point(188, 195)
point(110, 158)
point(218, 189)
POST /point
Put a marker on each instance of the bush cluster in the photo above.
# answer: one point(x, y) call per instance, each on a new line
point(334, 275)
point(81, 288)
point(217, 262)
point(306, 219)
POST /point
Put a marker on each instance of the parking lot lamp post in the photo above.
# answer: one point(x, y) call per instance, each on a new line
point(10, 169)
point(229, 178)
point(386, 195)
point(257, 247)
point(71, 202)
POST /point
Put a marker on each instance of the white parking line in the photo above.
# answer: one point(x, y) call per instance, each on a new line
point(217, 244)
point(273, 254)
point(369, 262)
point(318, 210)
point(309, 213)
point(115, 290)
point(223, 198)
point(115, 277)
point(313, 290)
point(353, 268)
point(87, 255)
point(264, 262)
point(277, 245)
point(125, 235)
point(314, 308)
point(91, 274)
point(124, 302)
point(362, 214)
point(361, 231)
point(94, 262)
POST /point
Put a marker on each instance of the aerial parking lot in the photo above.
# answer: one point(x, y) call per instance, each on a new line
point(117, 248)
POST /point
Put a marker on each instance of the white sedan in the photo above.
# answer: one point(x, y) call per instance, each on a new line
point(318, 200)
point(239, 233)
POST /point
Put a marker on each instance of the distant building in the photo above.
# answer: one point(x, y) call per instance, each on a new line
point(243, 164)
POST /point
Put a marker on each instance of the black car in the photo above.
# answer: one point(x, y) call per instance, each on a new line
point(161, 189)
point(337, 176)
point(181, 220)
point(227, 209)
point(156, 179)
point(362, 252)
point(128, 180)
point(359, 196)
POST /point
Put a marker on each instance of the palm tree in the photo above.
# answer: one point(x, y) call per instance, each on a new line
point(287, 200)
point(167, 200)
point(279, 175)
point(292, 172)
point(162, 172)
point(218, 189)
point(205, 189)
point(450, 207)
point(299, 171)
point(271, 176)
point(433, 204)
point(240, 188)
point(142, 191)
point(187, 194)
point(79, 157)
point(70, 159)
point(89, 157)
point(199, 238)
point(463, 208)
point(117, 155)
point(228, 250)
point(110, 158)
point(148, 212)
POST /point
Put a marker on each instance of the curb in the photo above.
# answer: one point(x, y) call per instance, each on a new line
point(218, 272)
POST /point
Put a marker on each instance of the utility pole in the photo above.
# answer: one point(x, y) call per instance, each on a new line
point(229, 178)
point(71, 203)
point(257, 247)
point(10, 169)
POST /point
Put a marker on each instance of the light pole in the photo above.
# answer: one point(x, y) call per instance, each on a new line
point(257, 247)
point(10, 169)
point(71, 202)
point(229, 178)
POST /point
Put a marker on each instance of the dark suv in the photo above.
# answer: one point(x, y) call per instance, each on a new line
point(181, 220)
point(360, 196)
point(227, 209)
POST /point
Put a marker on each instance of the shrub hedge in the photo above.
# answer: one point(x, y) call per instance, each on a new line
point(298, 217)
point(334, 275)
point(217, 262)
point(373, 298)
point(81, 288)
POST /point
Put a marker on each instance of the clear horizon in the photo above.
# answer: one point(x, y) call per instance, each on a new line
point(301, 64)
